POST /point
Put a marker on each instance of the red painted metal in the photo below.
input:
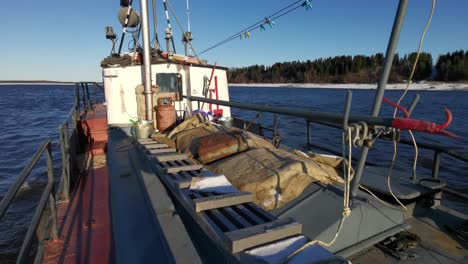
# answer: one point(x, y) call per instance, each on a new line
point(405, 112)
point(425, 126)
point(94, 125)
point(85, 228)
point(84, 224)
point(165, 114)
point(209, 83)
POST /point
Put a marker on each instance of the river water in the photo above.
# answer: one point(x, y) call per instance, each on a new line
point(31, 113)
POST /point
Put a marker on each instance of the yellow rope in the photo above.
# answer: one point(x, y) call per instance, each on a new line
point(377, 198)
point(416, 150)
point(346, 210)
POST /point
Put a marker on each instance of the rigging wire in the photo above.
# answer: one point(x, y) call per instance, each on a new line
point(165, 2)
point(155, 27)
point(129, 5)
point(286, 10)
point(395, 148)
point(182, 29)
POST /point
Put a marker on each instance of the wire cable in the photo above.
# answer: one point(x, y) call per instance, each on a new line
point(395, 148)
point(289, 8)
point(182, 29)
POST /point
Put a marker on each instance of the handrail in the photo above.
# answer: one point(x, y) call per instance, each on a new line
point(447, 150)
point(68, 148)
point(312, 115)
point(331, 120)
point(47, 195)
point(86, 99)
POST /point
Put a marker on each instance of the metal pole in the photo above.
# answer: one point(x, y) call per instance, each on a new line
point(155, 25)
point(50, 176)
point(435, 165)
point(169, 25)
point(188, 17)
point(347, 110)
point(67, 163)
point(392, 45)
point(146, 60)
point(129, 10)
point(413, 104)
point(307, 114)
point(390, 54)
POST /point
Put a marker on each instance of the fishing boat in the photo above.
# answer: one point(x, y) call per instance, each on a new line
point(156, 169)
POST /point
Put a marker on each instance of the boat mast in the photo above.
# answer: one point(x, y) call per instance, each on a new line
point(390, 54)
point(146, 60)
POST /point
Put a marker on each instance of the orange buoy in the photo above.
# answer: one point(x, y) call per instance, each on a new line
point(165, 114)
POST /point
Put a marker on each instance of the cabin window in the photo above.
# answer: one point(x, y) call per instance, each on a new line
point(169, 83)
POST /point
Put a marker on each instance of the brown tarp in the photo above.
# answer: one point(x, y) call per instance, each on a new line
point(273, 176)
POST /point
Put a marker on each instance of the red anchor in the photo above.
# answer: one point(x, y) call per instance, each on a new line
point(407, 123)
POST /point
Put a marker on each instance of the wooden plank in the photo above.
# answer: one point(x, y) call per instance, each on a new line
point(218, 201)
point(144, 140)
point(218, 218)
point(184, 168)
point(161, 150)
point(169, 156)
point(183, 184)
point(146, 143)
point(257, 235)
point(155, 146)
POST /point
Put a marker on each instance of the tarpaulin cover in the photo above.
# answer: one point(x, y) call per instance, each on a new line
point(273, 176)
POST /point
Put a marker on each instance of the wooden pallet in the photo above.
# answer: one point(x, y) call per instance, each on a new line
point(232, 219)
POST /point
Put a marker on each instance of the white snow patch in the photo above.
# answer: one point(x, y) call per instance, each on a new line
point(390, 86)
point(213, 183)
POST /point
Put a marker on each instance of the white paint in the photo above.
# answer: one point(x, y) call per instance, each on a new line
point(277, 252)
point(213, 183)
point(120, 84)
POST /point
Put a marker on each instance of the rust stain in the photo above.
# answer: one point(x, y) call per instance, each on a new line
point(217, 146)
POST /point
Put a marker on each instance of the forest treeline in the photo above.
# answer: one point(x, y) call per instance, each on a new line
point(452, 66)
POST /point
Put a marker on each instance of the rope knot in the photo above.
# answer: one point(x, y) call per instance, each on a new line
point(346, 212)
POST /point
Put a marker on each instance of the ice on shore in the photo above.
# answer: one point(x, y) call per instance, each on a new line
point(390, 86)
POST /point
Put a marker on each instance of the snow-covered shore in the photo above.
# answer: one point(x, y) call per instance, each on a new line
point(391, 86)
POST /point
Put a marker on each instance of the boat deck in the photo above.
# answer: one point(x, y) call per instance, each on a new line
point(437, 245)
point(85, 234)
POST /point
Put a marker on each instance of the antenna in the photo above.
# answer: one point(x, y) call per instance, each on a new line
point(188, 17)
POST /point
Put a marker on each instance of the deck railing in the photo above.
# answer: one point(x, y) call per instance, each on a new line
point(333, 121)
point(44, 220)
point(88, 94)
point(48, 195)
point(68, 141)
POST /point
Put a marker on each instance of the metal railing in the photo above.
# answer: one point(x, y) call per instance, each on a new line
point(69, 148)
point(332, 120)
point(88, 95)
point(44, 221)
point(48, 195)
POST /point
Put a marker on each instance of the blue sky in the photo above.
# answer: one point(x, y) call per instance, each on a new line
point(64, 40)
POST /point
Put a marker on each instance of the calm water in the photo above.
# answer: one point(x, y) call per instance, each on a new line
point(30, 114)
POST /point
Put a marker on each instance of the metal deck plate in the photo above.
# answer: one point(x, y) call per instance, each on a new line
point(375, 178)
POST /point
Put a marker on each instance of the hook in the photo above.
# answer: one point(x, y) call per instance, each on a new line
point(425, 126)
point(405, 112)
point(449, 116)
